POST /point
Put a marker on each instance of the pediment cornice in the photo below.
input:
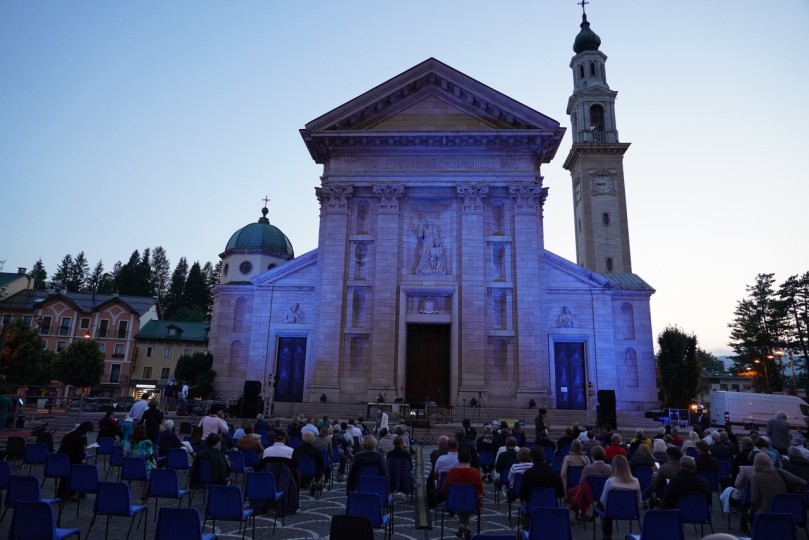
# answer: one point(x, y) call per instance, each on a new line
point(504, 120)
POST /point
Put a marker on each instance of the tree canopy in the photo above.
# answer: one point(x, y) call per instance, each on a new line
point(679, 367)
point(196, 372)
point(80, 364)
point(25, 360)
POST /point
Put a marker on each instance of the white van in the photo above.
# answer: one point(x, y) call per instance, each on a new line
point(740, 408)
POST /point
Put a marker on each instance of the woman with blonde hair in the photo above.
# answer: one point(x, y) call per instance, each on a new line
point(621, 480)
point(691, 441)
point(575, 458)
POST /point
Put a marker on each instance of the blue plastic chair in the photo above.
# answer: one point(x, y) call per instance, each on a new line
point(549, 454)
point(307, 469)
point(369, 505)
point(499, 482)
point(400, 472)
point(105, 445)
point(767, 526)
point(513, 493)
point(691, 452)
point(696, 509)
point(83, 479)
point(461, 498)
point(237, 465)
point(574, 475)
point(36, 522)
point(203, 478)
point(660, 525)
point(134, 470)
point(164, 483)
point(378, 485)
point(537, 498)
point(644, 475)
point(260, 488)
point(5, 476)
point(180, 524)
point(57, 466)
point(26, 489)
point(345, 527)
point(596, 484)
point(487, 459)
point(790, 503)
point(494, 536)
point(35, 454)
point(549, 523)
point(621, 504)
point(116, 460)
point(225, 504)
point(114, 500)
point(177, 459)
point(251, 457)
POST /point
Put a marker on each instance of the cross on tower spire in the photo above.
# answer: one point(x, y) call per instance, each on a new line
point(266, 199)
point(582, 4)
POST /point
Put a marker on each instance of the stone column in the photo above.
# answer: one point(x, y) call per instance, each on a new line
point(472, 276)
point(329, 349)
point(531, 349)
point(382, 366)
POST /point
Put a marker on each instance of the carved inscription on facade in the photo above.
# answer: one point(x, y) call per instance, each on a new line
point(447, 163)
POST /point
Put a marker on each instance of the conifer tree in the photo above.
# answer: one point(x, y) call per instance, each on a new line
point(39, 275)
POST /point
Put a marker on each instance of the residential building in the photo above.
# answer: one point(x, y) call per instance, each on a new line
point(159, 345)
point(112, 320)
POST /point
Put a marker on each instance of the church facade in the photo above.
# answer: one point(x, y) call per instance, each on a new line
point(430, 281)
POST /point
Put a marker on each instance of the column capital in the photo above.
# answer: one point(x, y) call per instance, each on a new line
point(334, 198)
point(389, 196)
point(528, 199)
point(473, 195)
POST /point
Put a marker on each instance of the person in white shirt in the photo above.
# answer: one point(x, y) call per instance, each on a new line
point(381, 420)
point(310, 426)
point(138, 408)
point(278, 448)
point(213, 423)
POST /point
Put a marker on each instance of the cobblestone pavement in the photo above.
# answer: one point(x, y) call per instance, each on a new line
point(313, 518)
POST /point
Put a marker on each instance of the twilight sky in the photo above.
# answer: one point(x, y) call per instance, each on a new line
point(126, 125)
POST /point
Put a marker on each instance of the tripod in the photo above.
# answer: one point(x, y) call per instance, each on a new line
point(427, 436)
point(479, 404)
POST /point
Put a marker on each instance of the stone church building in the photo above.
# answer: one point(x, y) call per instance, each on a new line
point(431, 280)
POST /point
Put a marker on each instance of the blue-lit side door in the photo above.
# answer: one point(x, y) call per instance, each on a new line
point(571, 384)
point(290, 368)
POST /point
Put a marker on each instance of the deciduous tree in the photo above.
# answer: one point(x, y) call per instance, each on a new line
point(25, 361)
point(195, 370)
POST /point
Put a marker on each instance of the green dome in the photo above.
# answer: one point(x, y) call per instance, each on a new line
point(263, 237)
point(587, 40)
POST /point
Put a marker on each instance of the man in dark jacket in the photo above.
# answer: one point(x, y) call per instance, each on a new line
point(74, 444)
point(220, 468)
point(369, 457)
point(686, 482)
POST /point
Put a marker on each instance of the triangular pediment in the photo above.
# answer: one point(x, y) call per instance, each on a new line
point(433, 113)
point(431, 99)
point(434, 80)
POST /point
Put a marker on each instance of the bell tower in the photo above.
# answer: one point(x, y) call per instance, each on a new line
point(595, 161)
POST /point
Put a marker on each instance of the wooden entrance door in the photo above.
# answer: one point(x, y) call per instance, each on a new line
point(428, 355)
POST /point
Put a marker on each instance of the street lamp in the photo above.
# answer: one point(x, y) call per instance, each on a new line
point(766, 374)
point(779, 353)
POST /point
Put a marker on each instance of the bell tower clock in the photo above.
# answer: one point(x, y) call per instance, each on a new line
point(595, 161)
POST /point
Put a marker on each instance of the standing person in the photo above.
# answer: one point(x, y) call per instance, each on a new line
point(540, 423)
point(74, 444)
point(182, 398)
point(778, 432)
point(151, 420)
point(381, 420)
point(168, 395)
point(464, 473)
point(621, 479)
point(138, 408)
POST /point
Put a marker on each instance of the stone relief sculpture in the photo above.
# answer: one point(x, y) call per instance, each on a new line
point(431, 259)
point(565, 318)
point(428, 308)
point(295, 314)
